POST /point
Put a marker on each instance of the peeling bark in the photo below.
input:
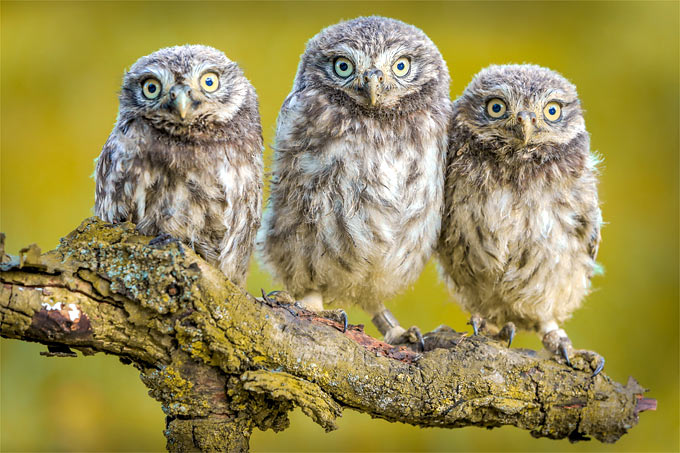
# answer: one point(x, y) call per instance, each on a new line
point(222, 362)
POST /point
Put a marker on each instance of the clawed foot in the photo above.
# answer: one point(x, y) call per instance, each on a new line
point(394, 334)
point(164, 239)
point(280, 297)
point(338, 316)
point(507, 333)
point(479, 325)
point(284, 298)
point(558, 343)
point(399, 336)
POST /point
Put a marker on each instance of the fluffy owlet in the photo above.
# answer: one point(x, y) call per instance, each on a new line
point(357, 187)
point(521, 223)
point(185, 156)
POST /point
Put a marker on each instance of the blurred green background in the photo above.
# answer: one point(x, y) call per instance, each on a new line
point(61, 66)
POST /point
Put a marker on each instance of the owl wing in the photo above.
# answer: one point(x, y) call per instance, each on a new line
point(111, 203)
point(288, 109)
point(594, 238)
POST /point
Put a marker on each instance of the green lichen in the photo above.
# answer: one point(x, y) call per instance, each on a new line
point(157, 278)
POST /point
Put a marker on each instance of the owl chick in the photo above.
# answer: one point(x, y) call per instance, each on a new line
point(185, 155)
point(521, 223)
point(357, 186)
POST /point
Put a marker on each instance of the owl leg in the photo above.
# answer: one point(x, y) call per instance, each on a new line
point(313, 301)
point(388, 325)
point(557, 342)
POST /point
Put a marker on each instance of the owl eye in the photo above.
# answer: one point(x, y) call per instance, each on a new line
point(496, 108)
point(343, 67)
point(151, 88)
point(401, 67)
point(552, 111)
point(210, 82)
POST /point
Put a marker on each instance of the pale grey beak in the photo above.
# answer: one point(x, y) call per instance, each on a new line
point(373, 83)
point(527, 120)
point(181, 100)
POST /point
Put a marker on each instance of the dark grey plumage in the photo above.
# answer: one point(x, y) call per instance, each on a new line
point(521, 222)
point(357, 189)
point(185, 155)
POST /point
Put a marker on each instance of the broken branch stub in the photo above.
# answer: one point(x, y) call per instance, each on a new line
point(222, 362)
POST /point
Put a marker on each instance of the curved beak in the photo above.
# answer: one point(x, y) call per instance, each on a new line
point(180, 99)
point(372, 84)
point(527, 121)
point(373, 89)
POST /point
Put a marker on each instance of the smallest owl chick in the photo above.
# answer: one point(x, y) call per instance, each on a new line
point(521, 224)
point(184, 158)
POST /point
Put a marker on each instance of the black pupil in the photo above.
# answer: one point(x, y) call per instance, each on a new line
point(209, 81)
point(151, 88)
point(552, 110)
point(343, 66)
point(400, 66)
point(496, 108)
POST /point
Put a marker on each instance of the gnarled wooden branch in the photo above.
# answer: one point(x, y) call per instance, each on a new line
point(222, 362)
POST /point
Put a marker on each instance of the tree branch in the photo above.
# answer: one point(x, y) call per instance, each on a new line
point(222, 362)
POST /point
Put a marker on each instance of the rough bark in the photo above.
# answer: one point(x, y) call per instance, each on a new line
point(222, 362)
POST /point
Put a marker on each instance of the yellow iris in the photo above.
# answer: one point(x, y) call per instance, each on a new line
point(401, 67)
point(496, 108)
point(552, 111)
point(210, 82)
point(151, 88)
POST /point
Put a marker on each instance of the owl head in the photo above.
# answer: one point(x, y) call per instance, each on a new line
point(376, 63)
point(184, 90)
point(521, 107)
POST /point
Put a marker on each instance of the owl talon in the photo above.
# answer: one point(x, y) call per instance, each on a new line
point(478, 324)
point(163, 239)
point(599, 367)
point(563, 349)
point(589, 357)
point(397, 336)
point(421, 340)
point(285, 303)
point(338, 316)
point(266, 297)
point(507, 333)
point(283, 297)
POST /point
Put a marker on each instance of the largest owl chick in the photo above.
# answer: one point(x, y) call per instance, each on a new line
point(521, 223)
point(185, 155)
point(357, 187)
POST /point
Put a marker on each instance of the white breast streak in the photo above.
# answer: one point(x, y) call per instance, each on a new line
point(140, 194)
point(232, 187)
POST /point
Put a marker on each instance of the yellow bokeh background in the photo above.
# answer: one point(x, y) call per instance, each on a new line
point(61, 67)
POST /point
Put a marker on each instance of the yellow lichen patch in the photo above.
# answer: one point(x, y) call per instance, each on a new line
point(313, 401)
point(174, 392)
